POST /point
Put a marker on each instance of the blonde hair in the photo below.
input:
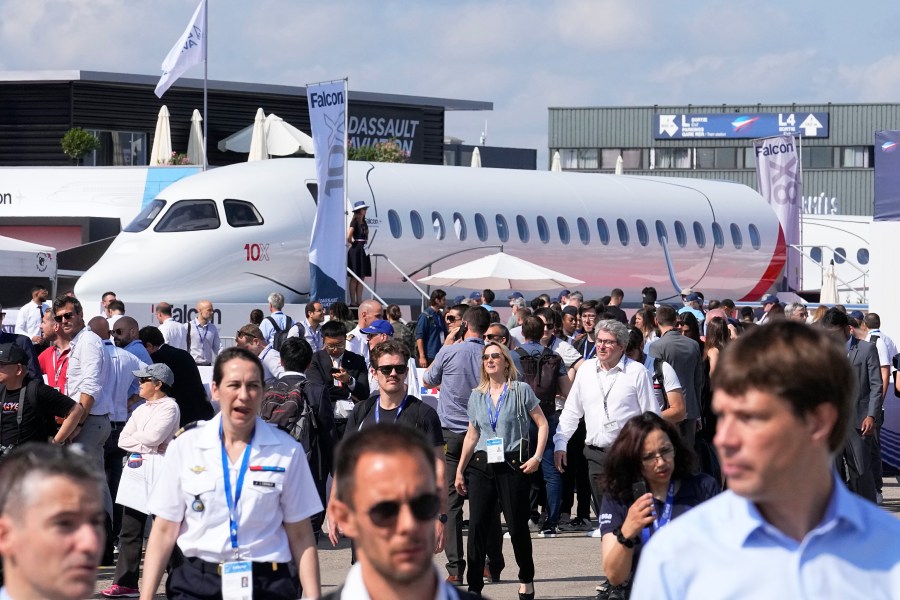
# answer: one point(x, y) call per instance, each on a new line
point(512, 374)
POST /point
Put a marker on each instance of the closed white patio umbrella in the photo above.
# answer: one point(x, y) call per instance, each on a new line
point(258, 147)
point(196, 149)
point(162, 139)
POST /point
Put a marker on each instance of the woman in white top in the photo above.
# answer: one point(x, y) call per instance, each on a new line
point(145, 436)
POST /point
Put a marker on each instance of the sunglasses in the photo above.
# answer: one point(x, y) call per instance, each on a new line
point(424, 508)
point(450, 318)
point(496, 337)
point(145, 379)
point(388, 369)
point(64, 317)
point(118, 331)
point(491, 356)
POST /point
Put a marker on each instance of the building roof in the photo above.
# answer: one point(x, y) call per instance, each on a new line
point(66, 76)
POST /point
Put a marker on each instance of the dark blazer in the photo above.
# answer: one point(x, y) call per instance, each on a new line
point(319, 371)
point(869, 398)
point(684, 355)
point(188, 390)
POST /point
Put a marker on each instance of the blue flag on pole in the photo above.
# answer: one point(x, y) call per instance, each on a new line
point(327, 255)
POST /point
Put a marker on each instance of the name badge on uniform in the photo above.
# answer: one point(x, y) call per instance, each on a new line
point(611, 426)
point(237, 580)
point(495, 450)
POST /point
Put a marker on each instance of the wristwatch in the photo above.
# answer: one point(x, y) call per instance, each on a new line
point(442, 518)
point(627, 542)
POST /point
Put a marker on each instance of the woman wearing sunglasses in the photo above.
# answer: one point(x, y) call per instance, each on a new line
point(648, 480)
point(499, 457)
point(145, 436)
point(236, 495)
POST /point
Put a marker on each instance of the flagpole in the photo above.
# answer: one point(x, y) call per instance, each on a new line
point(205, 77)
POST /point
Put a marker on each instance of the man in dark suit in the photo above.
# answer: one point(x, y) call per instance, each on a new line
point(863, 357)
point(684, 355)
point(188, 390)
point(342, 372)
point(296, 355)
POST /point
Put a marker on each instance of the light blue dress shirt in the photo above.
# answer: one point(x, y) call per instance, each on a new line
point(724, 548)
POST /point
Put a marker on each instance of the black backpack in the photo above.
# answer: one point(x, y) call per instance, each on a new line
point(287, 406)
point(659, 382)
point(541, 372)
point(281, 334)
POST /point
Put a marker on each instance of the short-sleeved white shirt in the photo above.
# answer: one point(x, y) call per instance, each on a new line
point(193, 471)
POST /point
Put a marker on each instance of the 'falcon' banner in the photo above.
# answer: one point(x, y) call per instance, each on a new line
point(327, 254)
point(778, 170)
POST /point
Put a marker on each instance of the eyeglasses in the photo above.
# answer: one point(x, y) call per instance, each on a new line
point(588, 316)
point(607, 342)
point(145, 379)
point(369, 336)
point(491, 356)
point(340, 346)
point(387, 369)
point(118, 331)
point(64, 317)
point(424, 508)
point(664, 453)
point(496, 337)
point(450, 318)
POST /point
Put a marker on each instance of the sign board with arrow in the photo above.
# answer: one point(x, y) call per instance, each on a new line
point(739, 125)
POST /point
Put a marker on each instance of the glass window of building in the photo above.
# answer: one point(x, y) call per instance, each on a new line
point(563, 228)
point(584, 233)
point(543, 230)
point(437, 223)
point(818, 157)
point(459, 227)
point(716, 158)
point(672, 158)
point(118, 149)
point(240, 213)
point(568, 158)
point(481, 227)
point(502, 228)
point(418, 226)
point(522, 226)
point(623, 231)
point(588, 158)
point(859, 157)
point(706, 158)
point(394, 223)
point(632, 159)
point(608, 157)
point(750, 158)
point(603, 231)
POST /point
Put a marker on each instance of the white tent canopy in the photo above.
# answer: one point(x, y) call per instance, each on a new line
point(24, 259)
point(501, 271)
point(282, 139)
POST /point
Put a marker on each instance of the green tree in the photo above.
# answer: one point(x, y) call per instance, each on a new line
point(77, 142)
point(387, 151)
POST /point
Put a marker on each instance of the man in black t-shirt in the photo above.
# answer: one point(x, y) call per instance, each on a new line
point(27, 416)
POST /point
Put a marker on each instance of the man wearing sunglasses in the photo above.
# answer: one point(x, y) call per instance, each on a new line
point(126, 334)
point(376, 333)
point(387, 500)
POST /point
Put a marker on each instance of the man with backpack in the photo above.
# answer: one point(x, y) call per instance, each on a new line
point(302, 408)
point(544, 370)
point(251, 338)
point(308, 328)
point(277, 322)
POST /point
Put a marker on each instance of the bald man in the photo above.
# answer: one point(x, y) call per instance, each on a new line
point(125, 333)
point(357, 342)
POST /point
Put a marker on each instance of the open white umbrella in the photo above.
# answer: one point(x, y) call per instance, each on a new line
point(476, 158)
point(501, 271)
point(619, 165)
point(196, 149)
point(556, 165)
point(829, 293)
point(258, 146)
point(162, 139)
point(282, 139)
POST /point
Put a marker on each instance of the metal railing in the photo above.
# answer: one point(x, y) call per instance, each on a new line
point(862, 291)
point(406, 278)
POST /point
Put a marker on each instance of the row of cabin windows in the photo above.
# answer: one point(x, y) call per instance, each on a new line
point(582, 229)
point(840, 255)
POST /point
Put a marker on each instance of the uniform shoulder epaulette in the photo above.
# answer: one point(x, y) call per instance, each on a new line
point(350, 337)
point(188, 427)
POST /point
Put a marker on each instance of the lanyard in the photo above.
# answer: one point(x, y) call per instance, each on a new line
point(666, 514)
point(607, 392)
point(378, 409)
point(493, 418)
point(60, 359)
point(264, 352)
point(233, 502)
point(202, 333)
point(589, 349)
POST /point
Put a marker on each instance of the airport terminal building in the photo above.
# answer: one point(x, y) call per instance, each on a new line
point(716, 142)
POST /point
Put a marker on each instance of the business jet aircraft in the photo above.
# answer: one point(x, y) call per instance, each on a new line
point(237, 233)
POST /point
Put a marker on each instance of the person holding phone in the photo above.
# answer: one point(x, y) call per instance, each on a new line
point(648, 480)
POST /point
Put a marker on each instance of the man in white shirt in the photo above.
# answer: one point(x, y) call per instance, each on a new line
point(250, 337)
point(276, 318)
point(174, 333)
point(315, 316)
point(369, 311)
point(203, 340)
point(28, 321)
point(608, 390)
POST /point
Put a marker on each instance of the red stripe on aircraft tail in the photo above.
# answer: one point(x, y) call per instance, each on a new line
point(773, 271)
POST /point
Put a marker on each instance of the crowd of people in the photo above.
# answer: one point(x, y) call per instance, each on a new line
point(569, 414)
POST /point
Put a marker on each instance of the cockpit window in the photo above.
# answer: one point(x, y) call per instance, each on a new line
point(239, 213)
point(189, 215)
point(146, 216)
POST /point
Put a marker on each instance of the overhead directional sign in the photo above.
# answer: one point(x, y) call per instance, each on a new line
point(739, 125)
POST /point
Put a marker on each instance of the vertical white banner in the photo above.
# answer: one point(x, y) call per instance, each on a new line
point(778, 171)
point(327, 252)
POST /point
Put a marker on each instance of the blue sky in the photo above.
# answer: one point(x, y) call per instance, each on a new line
point(523, 56)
